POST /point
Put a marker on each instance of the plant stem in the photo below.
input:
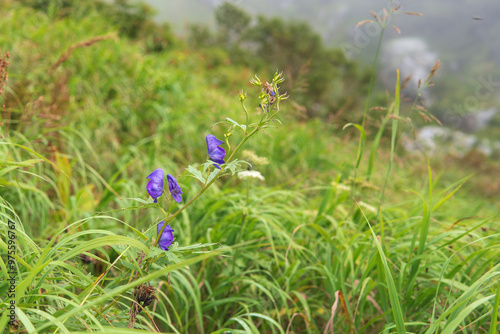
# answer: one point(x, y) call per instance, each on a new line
point(246, 114)
point(169, 218)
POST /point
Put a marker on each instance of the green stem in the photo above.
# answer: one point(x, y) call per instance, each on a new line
point(169, 218)
point(365, 110)
point(246, 114)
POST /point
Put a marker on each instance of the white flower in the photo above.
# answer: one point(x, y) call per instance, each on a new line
point(254, 158)
point(341, 187)
point(250, 174)
point(367, 206)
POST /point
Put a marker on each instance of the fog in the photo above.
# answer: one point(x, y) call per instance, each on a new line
point(463, 34)
point(448, 25)
point(460, 31)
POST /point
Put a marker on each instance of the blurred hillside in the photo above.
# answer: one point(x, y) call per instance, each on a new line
point(462, 34)
point(475, 22)
point(98, 95)
point(328, 90)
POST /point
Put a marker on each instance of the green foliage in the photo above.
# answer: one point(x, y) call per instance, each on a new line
point(308, 250)
point(133, 20)
point(321, 79)
point(232, 21)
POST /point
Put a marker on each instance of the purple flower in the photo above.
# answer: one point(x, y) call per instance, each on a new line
point(167, 237)
point(269, 89)
point(155, 184)
point(174, 188)
point(215, 152)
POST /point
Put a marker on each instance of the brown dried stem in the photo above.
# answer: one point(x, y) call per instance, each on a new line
point(69, 52)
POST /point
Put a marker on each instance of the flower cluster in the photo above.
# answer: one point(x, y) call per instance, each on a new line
point(270, 100)
point(155, 185)
point(252, 174)
point(156, 181)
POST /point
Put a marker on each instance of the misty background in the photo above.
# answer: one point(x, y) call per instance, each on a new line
point(463, 34)
point(449, 26)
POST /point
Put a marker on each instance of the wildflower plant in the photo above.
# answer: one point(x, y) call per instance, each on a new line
point(221, 161)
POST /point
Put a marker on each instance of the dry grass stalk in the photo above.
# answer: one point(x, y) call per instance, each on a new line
point(375, 16)
point(386, 15)
point(143, 296)
point(420, 108)
point(4, 73)
point(395, 8)
point(413, 13)
point(4, 66)
point(69, 52)
point(435, 68)
point(406, 81)
point(363, 22)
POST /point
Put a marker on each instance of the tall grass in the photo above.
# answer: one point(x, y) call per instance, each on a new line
point(300, 252)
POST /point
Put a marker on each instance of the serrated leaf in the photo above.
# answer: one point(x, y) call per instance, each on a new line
point(127, 264)
point(154, 252)
point(163, 261)
point(206, 165)
point(172, 257)
point(235, 166)
point(212, 175)
point(196, 174)
point(151, 233)
point(243, 127)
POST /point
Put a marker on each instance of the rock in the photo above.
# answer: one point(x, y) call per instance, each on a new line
point(435, 140)
point(413, 57)
point(477, 121)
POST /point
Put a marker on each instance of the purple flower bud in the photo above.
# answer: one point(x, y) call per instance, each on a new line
point(167, 237)
point(215, 152)
point(269, 89)
point(174, 188)
point(155, 184)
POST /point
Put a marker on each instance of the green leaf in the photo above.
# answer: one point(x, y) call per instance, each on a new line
point(196, 174)
point(235, 166)
point(243, 127)
point(361, 143)
point(172, 257)
point(452, 325)
point(128, 265)
point(195, 246)
point(397, 311)
point(104, 241)
point(212, 175)
point(154, 252)
point(26, 163)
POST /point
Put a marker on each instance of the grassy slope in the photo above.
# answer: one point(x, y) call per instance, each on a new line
point(111, 114)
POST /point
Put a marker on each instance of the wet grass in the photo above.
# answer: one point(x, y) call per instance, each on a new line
point(310, 250)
